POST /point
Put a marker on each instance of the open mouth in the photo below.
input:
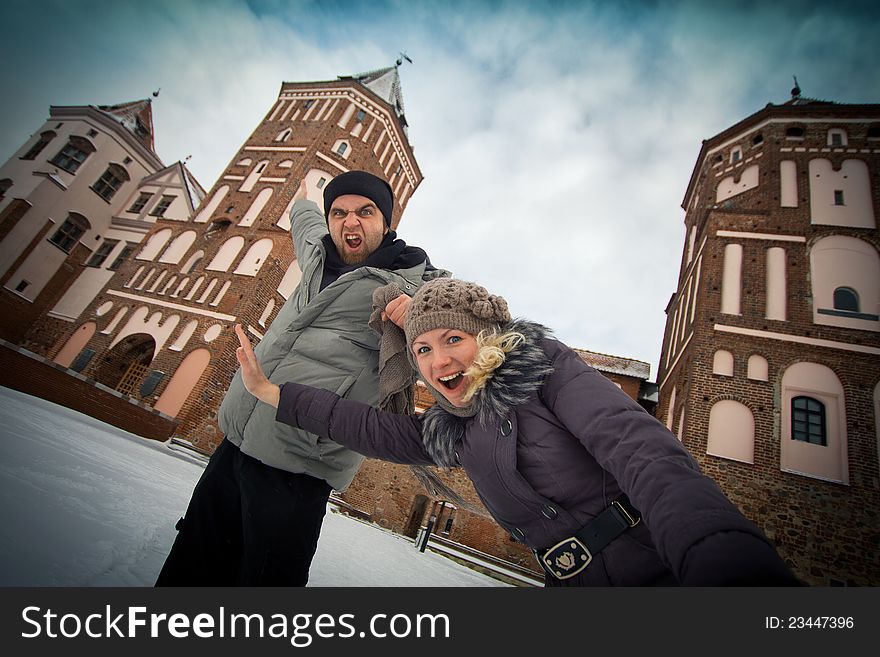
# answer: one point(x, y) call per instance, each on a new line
point(452, 381)
point(353, 241)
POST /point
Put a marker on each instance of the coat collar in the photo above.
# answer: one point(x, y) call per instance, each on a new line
point(513, 383)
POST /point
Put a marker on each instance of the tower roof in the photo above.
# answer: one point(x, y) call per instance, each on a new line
point(385, 83)
point(797, 107)
point(136, 117)
point(801, 100)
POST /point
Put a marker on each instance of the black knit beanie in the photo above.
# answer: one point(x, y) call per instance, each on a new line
point(362, 184)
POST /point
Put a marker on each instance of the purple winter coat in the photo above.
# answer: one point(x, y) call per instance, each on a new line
point(553, 443)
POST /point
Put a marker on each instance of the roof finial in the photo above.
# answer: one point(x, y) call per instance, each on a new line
point(403, 56)
point(156, 93)
point(796, 90)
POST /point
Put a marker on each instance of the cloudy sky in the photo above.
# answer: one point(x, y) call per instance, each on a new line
point(556, 138)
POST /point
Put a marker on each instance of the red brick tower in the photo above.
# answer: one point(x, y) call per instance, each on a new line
point(160, 331)
point(770, 368)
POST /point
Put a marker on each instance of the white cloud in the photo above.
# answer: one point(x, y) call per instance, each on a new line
point(556, 140)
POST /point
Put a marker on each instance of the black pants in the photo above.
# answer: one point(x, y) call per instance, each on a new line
point(247, 524)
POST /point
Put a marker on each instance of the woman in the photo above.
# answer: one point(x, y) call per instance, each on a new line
point(561, 458)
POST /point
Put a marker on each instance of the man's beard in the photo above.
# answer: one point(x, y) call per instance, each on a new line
point(353, 258)
point(370, 244)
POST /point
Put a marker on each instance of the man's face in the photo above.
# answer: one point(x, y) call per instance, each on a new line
point(356, 227)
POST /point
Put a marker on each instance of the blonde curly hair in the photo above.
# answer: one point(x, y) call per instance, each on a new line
point(492, 349)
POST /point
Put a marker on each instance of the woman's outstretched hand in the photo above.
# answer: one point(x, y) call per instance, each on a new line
point(252, 374)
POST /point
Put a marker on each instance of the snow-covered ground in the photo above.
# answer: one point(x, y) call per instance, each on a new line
point(87, 504)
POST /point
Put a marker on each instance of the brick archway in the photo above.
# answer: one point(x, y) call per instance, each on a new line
point(124, 366)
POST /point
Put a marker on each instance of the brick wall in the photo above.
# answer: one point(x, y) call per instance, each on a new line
point(28, 373)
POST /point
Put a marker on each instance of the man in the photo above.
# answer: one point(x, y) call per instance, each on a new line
point(256, 513)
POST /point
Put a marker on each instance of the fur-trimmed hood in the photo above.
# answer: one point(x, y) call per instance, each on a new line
point(513, 383)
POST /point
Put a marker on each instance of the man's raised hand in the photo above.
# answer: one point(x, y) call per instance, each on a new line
point(252, 374)
point(302, 191)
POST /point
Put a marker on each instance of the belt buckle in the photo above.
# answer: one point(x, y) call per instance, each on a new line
point(567, 558)
point(626, 514)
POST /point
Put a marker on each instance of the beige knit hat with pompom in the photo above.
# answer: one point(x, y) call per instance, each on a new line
point(451, 303)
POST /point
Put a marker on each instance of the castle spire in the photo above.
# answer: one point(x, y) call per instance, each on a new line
point(385, 83)
point(137, 117)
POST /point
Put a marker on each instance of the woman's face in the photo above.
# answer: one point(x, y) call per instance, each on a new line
point(443, 356)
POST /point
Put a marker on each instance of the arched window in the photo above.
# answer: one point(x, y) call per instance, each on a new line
point(207, 291)
point(245, 162)
point(192, 262)
point(776, 299)
point(146, 279)
point(69, 233)
point(842, 196)
point(75, 344)
point(813, 436)
point(670, 410)
point(180, 287)
point(37, 148)
point(722, 363)
point(731, 282)
point(731, 431)
point(845, 282)
point(253, 177)
point(342, 148)
point(877, 414)
point(157, 241)
point(266, 312)
point(227, 253)
point(184, 382)
point(795, 133)
point(108, 330)
point(184, 336)
point(71, 157)
point(758, 368)
point(730, 186)
point(194, 288)
point(169, 284)
point(206, 212)
point(135, 277)
point(256, 207)
point(847, 299)
point(291, 279)
point(808, 420)
point(284, 219)
point(109, 183)
point(221, 293)
point(283, 135)
point(255, 258)
point(178, 247)
point(691, 242)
